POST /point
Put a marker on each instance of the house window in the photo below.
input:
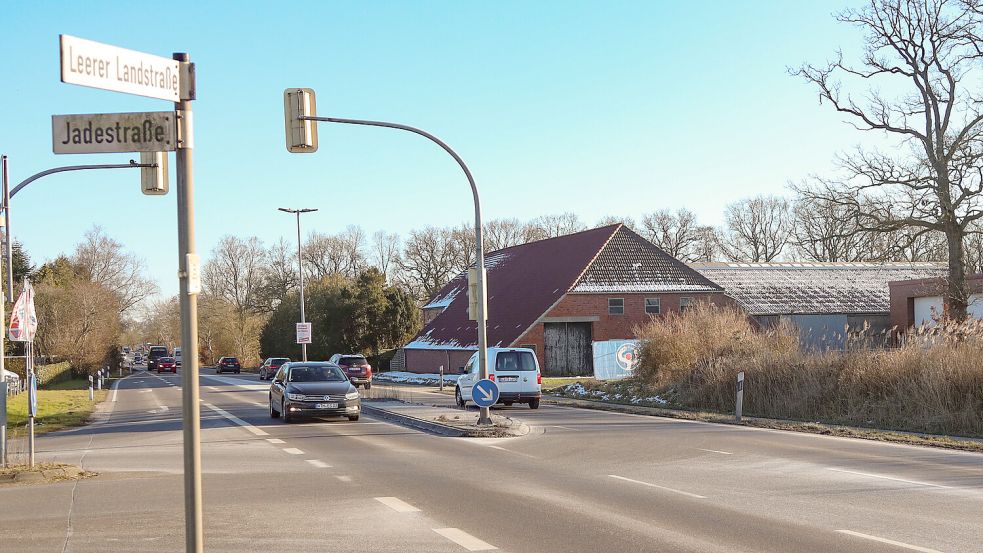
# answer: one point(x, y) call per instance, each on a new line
point(616, 306)
point(685, 304)
point(653, 306)
point(529, 346)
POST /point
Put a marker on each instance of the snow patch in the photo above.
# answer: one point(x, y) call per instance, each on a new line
point(577, 390)
point(400, 377)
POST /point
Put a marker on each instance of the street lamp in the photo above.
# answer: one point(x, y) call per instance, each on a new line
point(300, 270)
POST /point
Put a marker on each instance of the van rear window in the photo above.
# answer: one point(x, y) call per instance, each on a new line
point(515, 361)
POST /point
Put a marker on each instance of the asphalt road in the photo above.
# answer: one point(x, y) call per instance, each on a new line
point(580, 481)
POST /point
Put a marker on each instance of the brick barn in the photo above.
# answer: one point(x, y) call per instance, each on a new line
point(919, 302)
point(558, 297)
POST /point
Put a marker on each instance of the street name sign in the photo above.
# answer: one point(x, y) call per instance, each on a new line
point(88, 63)
point(96, 133)
point(303, 333)
point(485, 393)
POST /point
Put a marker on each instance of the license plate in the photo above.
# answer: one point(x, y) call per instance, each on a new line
point(508, 378)
point(326, 406)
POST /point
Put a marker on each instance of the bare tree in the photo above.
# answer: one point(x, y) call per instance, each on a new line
point(430, 258)
point(927, 53)
point(825, 231)
point(675, 233)
point(236, 273)
point(339, 254)
point(385, 253)
point(615, 219)
point(707, 246)
point(756, 229)
point(974, 249)
point(279, 274)
point(104, 261)
point(551, 226)
point(504, 233)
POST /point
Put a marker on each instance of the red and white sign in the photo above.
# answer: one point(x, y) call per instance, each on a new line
point(303, 333)
point(23, 318)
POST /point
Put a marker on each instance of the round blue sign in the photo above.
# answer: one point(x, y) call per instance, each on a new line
point(485, 393)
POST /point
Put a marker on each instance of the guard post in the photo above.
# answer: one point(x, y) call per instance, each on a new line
point(740, 396)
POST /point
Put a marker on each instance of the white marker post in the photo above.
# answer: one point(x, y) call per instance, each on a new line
point(91, 393)
point(740, 395)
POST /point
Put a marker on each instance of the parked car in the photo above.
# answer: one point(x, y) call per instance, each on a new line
point(228, 364)
point(177, 356)
point(515, 370)
point(167, 364)
point(155, 353)
point(271, 366)
point(355, 366)
point(314, 389)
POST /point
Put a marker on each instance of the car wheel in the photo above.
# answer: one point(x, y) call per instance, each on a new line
point(353, 418)
point(286, 414)
point(218, 371)
point(458, 398)
point(237, 371)
point(274, 414)
point(507, 403)
point(534, 403)
point(368, 385)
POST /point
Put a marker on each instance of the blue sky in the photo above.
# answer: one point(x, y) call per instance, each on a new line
point(596, 108)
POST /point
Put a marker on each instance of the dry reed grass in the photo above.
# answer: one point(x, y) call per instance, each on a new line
point(932, 382)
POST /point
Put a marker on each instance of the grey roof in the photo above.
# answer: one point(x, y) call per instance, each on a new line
point(814, 288)
point(629, 263)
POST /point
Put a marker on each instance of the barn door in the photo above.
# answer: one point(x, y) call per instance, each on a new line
point(568, 349)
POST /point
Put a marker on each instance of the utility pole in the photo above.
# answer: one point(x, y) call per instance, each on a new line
point(300, 271)
point(190, 286)
point(3, 322)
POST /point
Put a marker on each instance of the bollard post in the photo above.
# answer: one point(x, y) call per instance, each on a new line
point(441, 378)
point(740, 395)
point(99, 383)
point(91, 396)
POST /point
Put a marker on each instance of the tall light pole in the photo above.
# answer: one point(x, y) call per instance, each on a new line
point(300, 271)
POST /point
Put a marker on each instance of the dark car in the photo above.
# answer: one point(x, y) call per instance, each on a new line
point(315, 389)
point(154, 355)
point(168, 364)
point(228, 364)
point(356, 366)
point(271, 366)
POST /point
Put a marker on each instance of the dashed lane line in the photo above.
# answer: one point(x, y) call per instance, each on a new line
point(464, 539)
point(275, 441)
point(318, 464)
point(293, 451)
point(344, 478)
point(902, 545)
point(892, 478)
point(715, 451)
point(397, 504)
point(649, 484)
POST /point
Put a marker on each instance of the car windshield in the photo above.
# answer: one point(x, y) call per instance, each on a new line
point(279, 361)
point(515, 361)
point(166, 359)
point(353, 360)
point(316, 374)
point(231, 360)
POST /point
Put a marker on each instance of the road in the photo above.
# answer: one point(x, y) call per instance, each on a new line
point(580, 481)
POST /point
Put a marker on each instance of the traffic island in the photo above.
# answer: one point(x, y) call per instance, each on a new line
point(443, 421)
point(42, 473)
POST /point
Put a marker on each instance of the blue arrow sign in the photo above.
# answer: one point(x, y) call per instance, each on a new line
point(485, 393)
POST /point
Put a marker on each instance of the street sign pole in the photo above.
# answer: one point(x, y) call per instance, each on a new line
point(3, 316)
point(189, 288)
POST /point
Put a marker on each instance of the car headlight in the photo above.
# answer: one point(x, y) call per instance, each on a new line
point(295, 397)
point(351, 395)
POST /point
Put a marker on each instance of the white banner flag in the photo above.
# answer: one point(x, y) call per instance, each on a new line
point(23, 318)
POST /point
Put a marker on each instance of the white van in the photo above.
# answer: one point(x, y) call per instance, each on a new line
point(515, 370)
point(177, 356)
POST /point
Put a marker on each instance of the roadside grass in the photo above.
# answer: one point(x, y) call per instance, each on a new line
point(61, 405)
point(551, 383)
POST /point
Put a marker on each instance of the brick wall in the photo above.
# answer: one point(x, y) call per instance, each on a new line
point(430, 360)
point(904, 292)
point(611, 327)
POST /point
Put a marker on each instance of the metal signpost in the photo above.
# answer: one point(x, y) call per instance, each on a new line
point(303, 335)
point(300, 114)
point(485, 393)
point(97, 65)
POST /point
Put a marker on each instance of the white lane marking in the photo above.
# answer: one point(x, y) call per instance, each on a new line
point(563, 427)
point(258, 404)
point(889, 542)
point(510, 451)
point(397, 504)
point(344, 478)
point(235, 419)
point(319, 464)
point(715, 451)
point(464, 539)
point(293, 451)
point(657, 486)
point(883, 477)
point(275, 441)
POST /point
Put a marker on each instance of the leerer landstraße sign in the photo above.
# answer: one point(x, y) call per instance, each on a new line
point(98, 65)
point(113, 132)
